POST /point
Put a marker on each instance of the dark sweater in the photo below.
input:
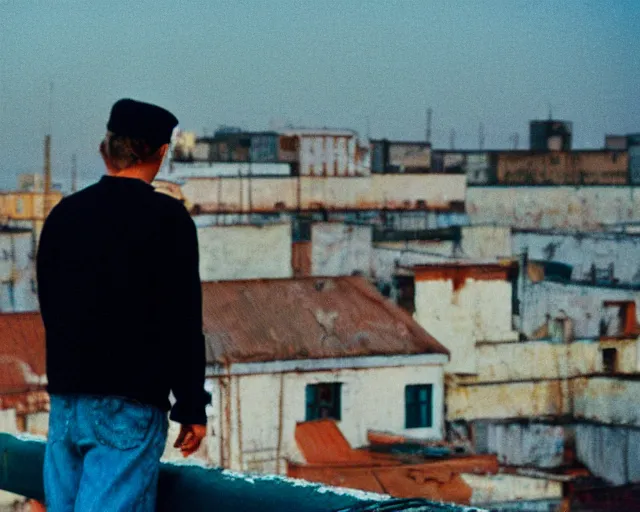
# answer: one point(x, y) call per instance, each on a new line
point(121, 300)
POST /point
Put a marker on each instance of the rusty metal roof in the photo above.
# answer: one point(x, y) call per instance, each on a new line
point(306, 318)
point(22, 352)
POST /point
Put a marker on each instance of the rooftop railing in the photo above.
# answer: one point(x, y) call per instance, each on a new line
point(191, 488)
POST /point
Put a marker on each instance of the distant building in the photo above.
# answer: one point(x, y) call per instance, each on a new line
point(284, 351)
point(550, 135)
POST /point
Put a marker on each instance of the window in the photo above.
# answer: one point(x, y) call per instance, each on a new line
point(609, 360)
point(323, 401)
point(418, 399)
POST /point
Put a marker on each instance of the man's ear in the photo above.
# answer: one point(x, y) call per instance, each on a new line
point(163, 150)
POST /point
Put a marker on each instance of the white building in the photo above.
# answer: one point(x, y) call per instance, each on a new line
point(464, 304)
point(244, 251)
point(18, 290)
point(285, 351)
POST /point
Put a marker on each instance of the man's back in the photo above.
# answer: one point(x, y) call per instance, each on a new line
point(105, 262)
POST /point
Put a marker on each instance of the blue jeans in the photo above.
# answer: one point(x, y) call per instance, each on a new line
point(103, 454)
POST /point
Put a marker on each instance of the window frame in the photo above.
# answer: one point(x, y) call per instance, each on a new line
point(314, 404)
point(413, 403)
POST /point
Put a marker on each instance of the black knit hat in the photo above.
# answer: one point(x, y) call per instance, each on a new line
point(139, 120)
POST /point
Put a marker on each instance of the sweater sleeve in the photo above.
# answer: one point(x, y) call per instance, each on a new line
point(185, 335)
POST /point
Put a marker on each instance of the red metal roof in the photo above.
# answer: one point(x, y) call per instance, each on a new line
point(306, 318)
point(22, 352)
point(331, 460)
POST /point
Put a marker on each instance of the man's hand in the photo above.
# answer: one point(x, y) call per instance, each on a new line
point(190, 438)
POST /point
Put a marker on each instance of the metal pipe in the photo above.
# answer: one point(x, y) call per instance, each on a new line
point(195, 488)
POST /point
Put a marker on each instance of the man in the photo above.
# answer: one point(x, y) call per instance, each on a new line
point(121, 302)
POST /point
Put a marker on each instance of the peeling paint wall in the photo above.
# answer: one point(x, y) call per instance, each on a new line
point(264, 414)
point(478, 311)
point(378, 191)
point(486, 242)
point(583, 304)
point(506, 400)
point(18, 291)
point(245, 252)
point(340, 249)
point(500, 488)
point(583, 249)
point(621, 465)
point(607, 400)
point(553, 207)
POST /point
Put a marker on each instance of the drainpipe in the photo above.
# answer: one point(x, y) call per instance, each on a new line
point(195, 488)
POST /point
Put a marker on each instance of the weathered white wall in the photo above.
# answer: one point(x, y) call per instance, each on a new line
point(507, 400)
point(583, 249)
point(8, 421)
point(17, 273)
point(504, 362)
point(607, 400)
point(486, 242)
point(478, 311)
point(377, 191)
point(500, 488)
point(219, 169)
point(582, 303)
point(385, 256)
point(371, 399)
point(553, 207)
point(245, 252)
point(340, 249)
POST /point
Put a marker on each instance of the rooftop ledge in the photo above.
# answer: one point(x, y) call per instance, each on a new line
point(188, 486)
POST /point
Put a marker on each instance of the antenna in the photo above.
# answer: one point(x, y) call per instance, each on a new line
point(368, 128)
point(481, 136)
point(515, 140)
point(550, 112)
point(74, 173)
point(452, 139)
point(429, 114)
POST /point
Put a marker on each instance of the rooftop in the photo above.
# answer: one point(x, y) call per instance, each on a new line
point(22, 352)
point(306, 318)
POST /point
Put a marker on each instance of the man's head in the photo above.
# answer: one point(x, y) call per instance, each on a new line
point(138, 136)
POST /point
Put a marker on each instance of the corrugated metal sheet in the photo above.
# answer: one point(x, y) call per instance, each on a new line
point(611, 453)
point(537, 445)
point(559, 207)
point(392, 191)
point(311, 318)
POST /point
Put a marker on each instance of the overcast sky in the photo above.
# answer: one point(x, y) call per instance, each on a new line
point(258, 64)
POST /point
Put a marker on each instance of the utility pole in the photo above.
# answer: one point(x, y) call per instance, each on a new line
point(452, 139)
point(47, 176)
point(429, 114)
point(74, 173)
point(47, 159)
